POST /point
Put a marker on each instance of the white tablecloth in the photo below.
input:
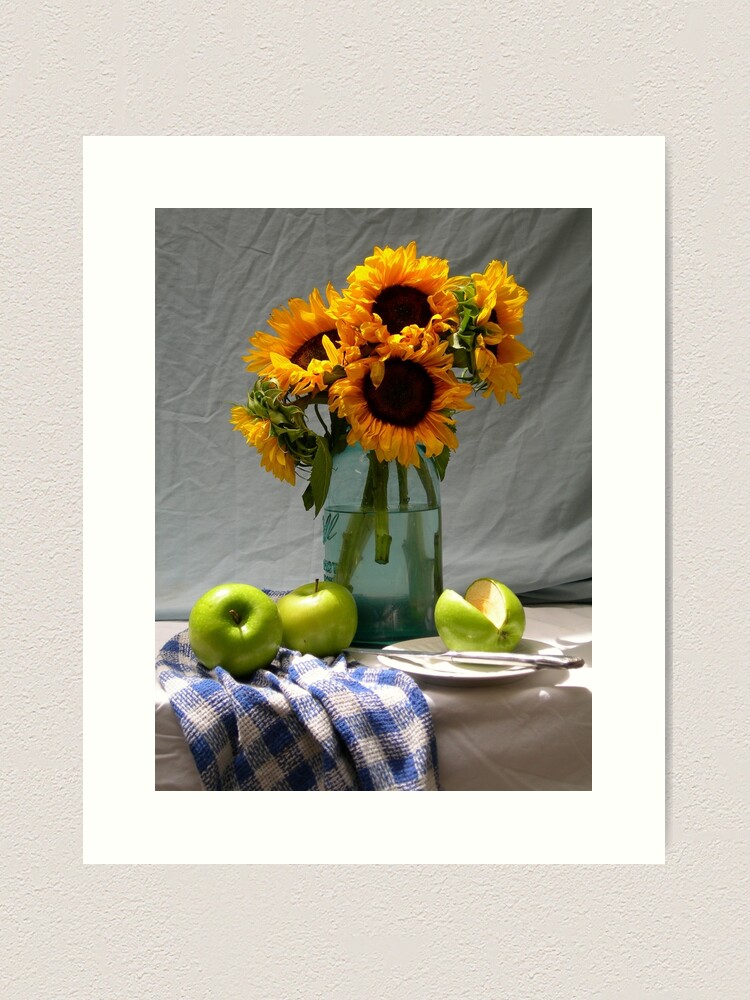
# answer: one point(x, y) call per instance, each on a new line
point(531, 735)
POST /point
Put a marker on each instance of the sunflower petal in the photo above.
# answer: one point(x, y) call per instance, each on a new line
point(377, 371)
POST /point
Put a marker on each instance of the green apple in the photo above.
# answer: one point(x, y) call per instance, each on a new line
point(235, 626)
point(489, 618)
point(318, 618)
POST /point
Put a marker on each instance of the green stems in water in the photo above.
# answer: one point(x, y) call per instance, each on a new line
point(356, 534)
point(373, 516)
point(379, 471)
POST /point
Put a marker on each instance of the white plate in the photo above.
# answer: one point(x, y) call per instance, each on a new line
point(439, 671)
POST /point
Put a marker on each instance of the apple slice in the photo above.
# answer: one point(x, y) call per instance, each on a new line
point(488, 619)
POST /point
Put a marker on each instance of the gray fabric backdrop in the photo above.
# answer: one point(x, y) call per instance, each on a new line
point(517, 496)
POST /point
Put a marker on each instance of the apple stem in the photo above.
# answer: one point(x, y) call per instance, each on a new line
point(317, 581)
point(235, 616)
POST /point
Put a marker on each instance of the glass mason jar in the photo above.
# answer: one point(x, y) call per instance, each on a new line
point(382, 540)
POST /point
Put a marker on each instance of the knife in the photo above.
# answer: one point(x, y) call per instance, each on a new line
point(469, 657)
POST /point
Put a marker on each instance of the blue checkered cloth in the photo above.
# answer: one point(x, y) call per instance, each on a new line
point(305, 724)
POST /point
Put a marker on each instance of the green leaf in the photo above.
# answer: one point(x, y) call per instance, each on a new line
point(461, 358)
point(339, 431)
point(307, 497)
point(320, 475)
point(334, 375)
point(441, 462)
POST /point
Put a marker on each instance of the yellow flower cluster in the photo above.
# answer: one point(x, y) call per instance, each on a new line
point(382, 353)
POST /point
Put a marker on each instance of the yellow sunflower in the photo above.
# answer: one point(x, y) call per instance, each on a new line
point(400, 397)
point(496, 364)
point(257, 432)
point(304, 348)
point(497, 353)
point(501, 300)
point(394, 293)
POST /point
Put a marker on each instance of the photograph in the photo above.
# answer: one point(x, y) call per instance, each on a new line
point(373, 499)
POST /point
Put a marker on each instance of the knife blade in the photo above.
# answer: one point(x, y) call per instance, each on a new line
point(467, 657)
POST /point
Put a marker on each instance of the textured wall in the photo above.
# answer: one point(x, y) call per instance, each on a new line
point(670, 933)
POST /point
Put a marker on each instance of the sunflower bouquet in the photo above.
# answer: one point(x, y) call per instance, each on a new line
point(385, 364)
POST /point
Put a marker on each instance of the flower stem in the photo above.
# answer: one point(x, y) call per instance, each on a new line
point(353, 544)
point(380, 503)
point(429, 486)
point(356, 534)
point(403, 488)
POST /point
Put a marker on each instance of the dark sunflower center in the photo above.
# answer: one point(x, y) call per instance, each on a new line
point(403, 397)
point(313, 350)
point(400, 306)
